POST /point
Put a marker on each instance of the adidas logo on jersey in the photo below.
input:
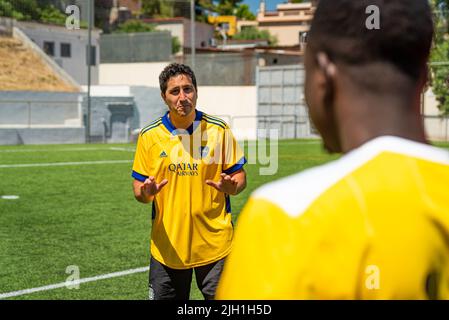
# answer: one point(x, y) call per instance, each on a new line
point(163, 155)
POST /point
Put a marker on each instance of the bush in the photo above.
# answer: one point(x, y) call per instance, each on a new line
point(175, 45)
point(132, 26)
point(252, 33)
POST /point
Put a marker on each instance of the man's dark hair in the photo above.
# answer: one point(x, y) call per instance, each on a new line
point(404, 38)
point(172, 70)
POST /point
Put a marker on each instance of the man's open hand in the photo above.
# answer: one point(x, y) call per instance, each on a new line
point(150, 187)
point(227, 184)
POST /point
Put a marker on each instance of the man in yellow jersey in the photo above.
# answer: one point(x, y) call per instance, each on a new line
point(375, 223)
point(187, 164)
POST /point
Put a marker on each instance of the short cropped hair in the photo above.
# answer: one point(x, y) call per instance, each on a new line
point(172, 70)
point(404, 38)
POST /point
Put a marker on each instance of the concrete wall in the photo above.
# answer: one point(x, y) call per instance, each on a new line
point(136, 47)
point(176, 29)
point(15, 136)
point(430, 104)
point(276, 59)
point(287, 35)
point(437, 127)
point(203, 33)
point(27, 109)
point(212, 69)
point(235, 105)
point(131, 74)
point(76, 64)
point(224, 69)
point(180, 28)
point(40, 118)
point(6, 26)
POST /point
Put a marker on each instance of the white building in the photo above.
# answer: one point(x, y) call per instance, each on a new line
point(68, 48)
point(180, 28)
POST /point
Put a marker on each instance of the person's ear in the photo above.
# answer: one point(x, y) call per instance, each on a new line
point(326, 66)
point(163, 97)
point(328, 70)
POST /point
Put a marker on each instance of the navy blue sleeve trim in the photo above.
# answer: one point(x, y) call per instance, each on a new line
point(239, 165)
point(139, 176)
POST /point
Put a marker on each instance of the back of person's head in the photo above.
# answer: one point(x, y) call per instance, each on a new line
point(172, 70)
point(403, 39)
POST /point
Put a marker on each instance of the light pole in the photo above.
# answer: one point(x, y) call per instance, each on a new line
point(89, 63)
point(192, 33)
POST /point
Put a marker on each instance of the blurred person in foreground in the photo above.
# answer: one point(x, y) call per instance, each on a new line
point(375, 223)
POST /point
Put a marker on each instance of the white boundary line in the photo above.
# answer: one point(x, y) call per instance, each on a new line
point(122, 149)
point(62, 164)
point(66, 149)
point(73, 283)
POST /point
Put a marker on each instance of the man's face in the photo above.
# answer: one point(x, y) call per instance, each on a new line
point(319, 101)
point(180, 95)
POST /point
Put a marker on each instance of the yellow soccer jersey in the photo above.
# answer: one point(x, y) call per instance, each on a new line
point(191, 220)
point(372, 225)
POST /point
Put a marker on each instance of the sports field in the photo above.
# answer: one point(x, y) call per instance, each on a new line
point(75, 208)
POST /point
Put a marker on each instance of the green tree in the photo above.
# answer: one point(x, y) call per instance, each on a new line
point(253, 33)
point(132, 26)
point(7, 10)
point(36, 10)
point(227, 7)
point(176, 8)
point(175, 45)
point(244, 13)
point(20, 9)
point(440, 55)
point(155, 8)
point(52, 15)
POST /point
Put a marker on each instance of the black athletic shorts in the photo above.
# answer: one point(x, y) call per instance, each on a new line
point(172, 284)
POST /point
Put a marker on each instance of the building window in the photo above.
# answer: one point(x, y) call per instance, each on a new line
point(49, 48)
point(66, 50)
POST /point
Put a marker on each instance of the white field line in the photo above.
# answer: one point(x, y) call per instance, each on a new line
point(24, 165)
point(66, 149)
point(72, 283)
point(122, 149)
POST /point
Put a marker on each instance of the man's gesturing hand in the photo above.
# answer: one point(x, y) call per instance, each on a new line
point(151, 188)
point(227, 184)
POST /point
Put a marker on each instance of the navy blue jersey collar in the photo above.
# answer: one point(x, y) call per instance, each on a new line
point(170, 127)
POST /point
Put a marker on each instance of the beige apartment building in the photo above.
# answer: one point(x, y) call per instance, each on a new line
point(289, 23)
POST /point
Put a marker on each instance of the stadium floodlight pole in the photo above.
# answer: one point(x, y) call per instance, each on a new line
point(89, 63)
point(192, 33)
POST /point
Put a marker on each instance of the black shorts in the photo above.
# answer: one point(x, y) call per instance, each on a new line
point(172, 284)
